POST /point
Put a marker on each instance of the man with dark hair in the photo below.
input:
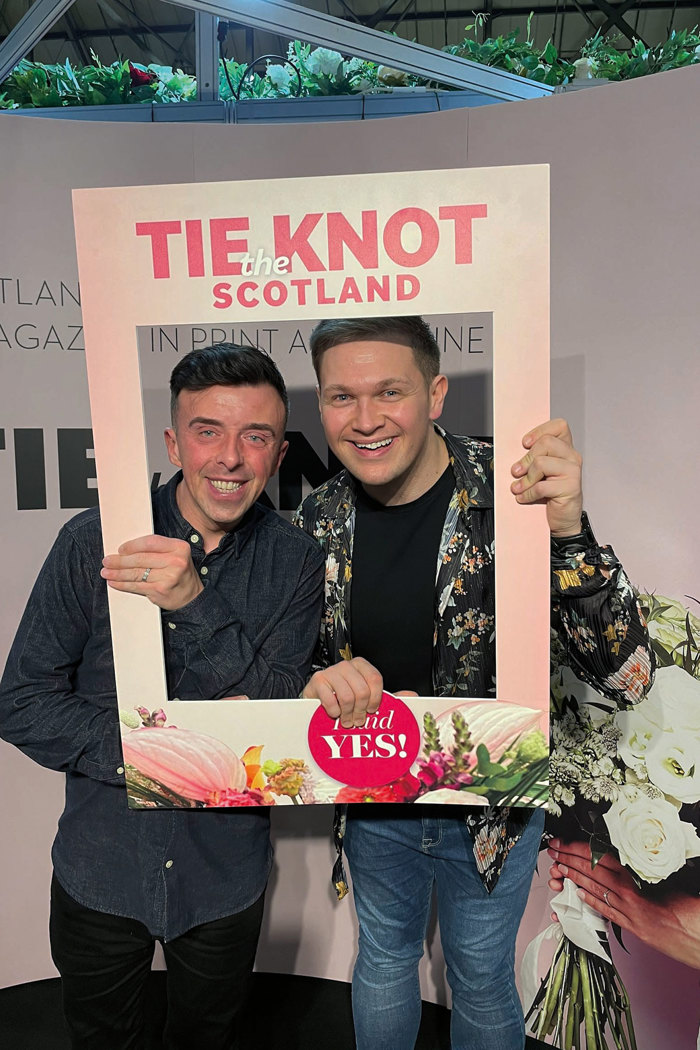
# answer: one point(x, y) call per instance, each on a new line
point(240, 590)
point(407, 529)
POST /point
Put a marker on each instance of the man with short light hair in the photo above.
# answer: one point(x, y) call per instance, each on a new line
point(408, 529)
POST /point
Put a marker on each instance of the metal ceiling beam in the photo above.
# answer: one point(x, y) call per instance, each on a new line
point(615, 18)
point(41, 16)
point(206, 57)
point(567, 7)
point(315, 27)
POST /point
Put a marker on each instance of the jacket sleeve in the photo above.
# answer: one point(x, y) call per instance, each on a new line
point(43, 711)
point(304, 518)
point(598, 619)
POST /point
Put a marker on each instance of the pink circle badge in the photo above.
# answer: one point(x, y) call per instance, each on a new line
point(377, 753)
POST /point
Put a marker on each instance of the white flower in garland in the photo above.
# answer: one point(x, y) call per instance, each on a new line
point(279, 76)
point(323, 62)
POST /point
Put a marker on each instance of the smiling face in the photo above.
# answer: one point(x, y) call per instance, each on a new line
point(377, 410)
point(228, 442)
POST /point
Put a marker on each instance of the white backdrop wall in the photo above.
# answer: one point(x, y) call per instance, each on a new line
point(625, 230)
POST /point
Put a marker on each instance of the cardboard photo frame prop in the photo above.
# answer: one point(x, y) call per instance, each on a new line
point(427, 242)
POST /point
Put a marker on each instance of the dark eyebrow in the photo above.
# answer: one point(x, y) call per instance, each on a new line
point(261, 426)
point(390, 382)
point(203, 421)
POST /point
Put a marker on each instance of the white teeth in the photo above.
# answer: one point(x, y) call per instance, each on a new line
point(226, 486)
point(375, 444)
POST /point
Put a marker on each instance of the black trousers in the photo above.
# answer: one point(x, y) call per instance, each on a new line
point(104, 962)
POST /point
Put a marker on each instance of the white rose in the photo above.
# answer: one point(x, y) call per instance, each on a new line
point(673, 765)
point(323, 61)
point(671, 706)
point(279, 77)
point(649, 835)
point(673, 700)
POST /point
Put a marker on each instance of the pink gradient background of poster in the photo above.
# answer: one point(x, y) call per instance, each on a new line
point(509, 276)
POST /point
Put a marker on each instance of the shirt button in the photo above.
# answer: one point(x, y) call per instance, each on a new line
point(120, 769)
point(204, 570)
point(168, 864)
point(171, 625)
point(194, 538)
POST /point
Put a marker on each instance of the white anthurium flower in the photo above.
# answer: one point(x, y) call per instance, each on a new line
point(323, 62)
point(279, 76)
point(673, 765)
point(496, 725)
point(649, 835)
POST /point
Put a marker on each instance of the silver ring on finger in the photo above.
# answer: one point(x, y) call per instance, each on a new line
point(146, 573)
point(607, 899)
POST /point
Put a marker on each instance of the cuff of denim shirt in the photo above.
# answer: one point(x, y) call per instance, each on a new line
point(200, 618)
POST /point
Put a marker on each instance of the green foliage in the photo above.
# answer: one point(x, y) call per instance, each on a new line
point(516, 56)
point(317, 71)
point(681, 49)
point(256, 86)
point(39, 85)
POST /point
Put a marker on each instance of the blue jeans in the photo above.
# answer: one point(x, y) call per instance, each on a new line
point(394, 864)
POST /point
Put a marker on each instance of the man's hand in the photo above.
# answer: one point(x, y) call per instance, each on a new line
point(671, 925)
point(349, 690)
point(171, 582)
point(550, 473)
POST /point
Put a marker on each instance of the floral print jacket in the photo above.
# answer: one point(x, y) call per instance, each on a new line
point(596, 617)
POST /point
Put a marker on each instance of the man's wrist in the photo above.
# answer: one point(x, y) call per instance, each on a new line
point(580, 541)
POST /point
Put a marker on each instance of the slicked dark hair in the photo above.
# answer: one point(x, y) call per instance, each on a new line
point(406, 331)
point(226, 364)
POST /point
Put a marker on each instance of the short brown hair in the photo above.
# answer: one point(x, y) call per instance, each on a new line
point(406, 331)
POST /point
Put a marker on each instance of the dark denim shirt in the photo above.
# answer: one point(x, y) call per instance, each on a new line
point(252, 630)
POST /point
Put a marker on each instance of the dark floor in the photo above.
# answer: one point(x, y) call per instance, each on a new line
point(287, 1013)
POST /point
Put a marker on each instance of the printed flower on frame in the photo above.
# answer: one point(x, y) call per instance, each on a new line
point(190, 763)
point(224, 799)
point(371, 794)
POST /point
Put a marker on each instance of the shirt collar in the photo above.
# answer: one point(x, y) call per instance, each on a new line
point(169, 521)
point(468, 469)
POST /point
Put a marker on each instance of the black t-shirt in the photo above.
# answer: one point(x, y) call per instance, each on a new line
point(392, 597)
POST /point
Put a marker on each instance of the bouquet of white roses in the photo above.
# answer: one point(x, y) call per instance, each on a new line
point(623, 781)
